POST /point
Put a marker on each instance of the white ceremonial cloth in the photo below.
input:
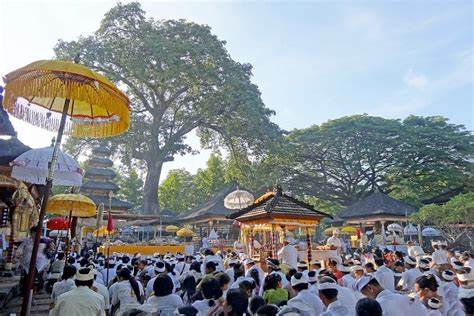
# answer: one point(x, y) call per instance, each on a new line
point(288, 255)
point(311, 299)
point(407, 281)
point(393, 304)
point(336, 309)
point(165, 305)
point(79, 301)
point(386, 278)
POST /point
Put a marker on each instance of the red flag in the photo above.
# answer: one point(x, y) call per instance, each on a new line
point(110, 222)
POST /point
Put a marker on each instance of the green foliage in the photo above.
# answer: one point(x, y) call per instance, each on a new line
point(210, 180)
point(131, 188)
point(177, 191)
point(179, 78)
point(449, 218)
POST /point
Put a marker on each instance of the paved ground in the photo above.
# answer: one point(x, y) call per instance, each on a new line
point(39, 307)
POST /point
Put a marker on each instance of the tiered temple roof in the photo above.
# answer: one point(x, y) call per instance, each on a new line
point(98, 182)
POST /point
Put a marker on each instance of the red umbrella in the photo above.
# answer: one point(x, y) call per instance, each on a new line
point(57, 223)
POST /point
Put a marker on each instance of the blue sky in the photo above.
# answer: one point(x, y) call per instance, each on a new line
point(313, 60)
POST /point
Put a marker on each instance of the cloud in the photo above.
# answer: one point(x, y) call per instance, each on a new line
point(414, 80)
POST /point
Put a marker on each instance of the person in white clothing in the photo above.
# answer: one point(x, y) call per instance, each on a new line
point(158, 268)
point(407, 281)
point(450, 293)
point(66, 284)
point(384, 275)
point(211, 291)
point(414, 250)
point(163, 301)
point(328, 293)
point(345, 296)
point(288, 254)
point(81, 300)
point(392, 304)
point(300, 284)
point(181, 266)
point(273, 266)
point(126, 293)
point(440, 255)
point(335, 241)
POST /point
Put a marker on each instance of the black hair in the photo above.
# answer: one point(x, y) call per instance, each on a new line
point(238, 300)
point(163, 285)
point(222, 278)
point(312, 274)
point(290, 273)
point(195, 266)
point(188, 288)
point(238, 270)
point(188, 311)
point(83, 262)
point(247, 285)
point(211, 265)
point(427, 282)
point(398, 264)
point(255, 303)
point(300, 287)
point(169, 268)
point(271, 281)
point(330, 294)
point(374, 282)
point(127, 275)
point(369, 265)
point(60, 256)
point(379, 262)
point(87, 283)
point(468, 304)
point(255, 276)
point(208, 252)
point(267, 310)
point(125, 259)
point(368, 307)
point(68, 272)
point(211, 290)
point(71, 260)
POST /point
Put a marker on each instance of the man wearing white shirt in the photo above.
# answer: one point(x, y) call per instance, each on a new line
point(392, 304)
point(440, 255)
point(384, 275)
point(335, 241)
point(407, 281)
point(288, 254)
point(328, 293)
point(300, 284)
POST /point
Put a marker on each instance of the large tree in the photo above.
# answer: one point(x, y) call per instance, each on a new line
point(180, 78)
point(344, 159)
point(177, 191)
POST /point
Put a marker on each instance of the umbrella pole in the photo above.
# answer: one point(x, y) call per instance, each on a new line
point(28, 290)
point(68, 232)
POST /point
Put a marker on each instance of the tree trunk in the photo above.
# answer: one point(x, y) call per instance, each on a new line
point(150, 191)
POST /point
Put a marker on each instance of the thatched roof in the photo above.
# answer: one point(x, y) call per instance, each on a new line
point(102, 150)
point(97, 185)
point(101, 172)
point(377, 204)
point(277, 203)
point(116, 204)
point(10, 149)
point(103, 162)
point(6, 127)
point(214, 207)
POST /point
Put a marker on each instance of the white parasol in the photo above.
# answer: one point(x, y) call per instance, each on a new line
point(430, 232)
point(395, 228)
point(32, 167)
point(410, 230)
point(238, 199)
point(58, 233)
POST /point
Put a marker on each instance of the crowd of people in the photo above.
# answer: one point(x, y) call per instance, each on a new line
point(365, 283)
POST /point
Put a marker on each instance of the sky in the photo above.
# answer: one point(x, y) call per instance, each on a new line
point(313, 60)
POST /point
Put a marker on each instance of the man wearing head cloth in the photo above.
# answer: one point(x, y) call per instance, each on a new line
point(335, 241)
point(288, 254)
point(81, 300)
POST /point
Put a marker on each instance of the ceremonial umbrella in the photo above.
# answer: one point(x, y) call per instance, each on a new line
point(410, 230)
point(185, 232)
point(238, 199)
point(430, 232)
point(395, 228)
point(95, 107)
point(32, 167)
point(57, 223)
point(171, 229)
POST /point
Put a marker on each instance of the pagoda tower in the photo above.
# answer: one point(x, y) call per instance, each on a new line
point(99, 185)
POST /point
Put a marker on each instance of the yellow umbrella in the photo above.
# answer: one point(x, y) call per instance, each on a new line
point(102, 231)
point(96, 107)
point(185, 232)
point(171, 228)
point(75, 205)
point(87, 229)
point(349, 230)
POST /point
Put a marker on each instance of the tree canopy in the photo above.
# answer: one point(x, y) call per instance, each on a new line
point(179, 78)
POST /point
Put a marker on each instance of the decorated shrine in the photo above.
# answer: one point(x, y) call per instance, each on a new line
point(271, 217)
